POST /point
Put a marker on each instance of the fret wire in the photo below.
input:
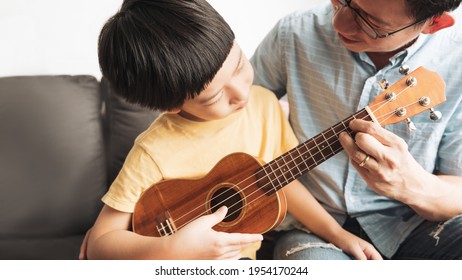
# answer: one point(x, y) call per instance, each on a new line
point(325, 139)
point(288, 168)
point(335, 133)
point(293, 160)
point(311, 155)
point(301, 156)
point(346, 129)
point(339, 127)
point(320, 151)
point(282, 171)
point(269, 178)
point(275, 175)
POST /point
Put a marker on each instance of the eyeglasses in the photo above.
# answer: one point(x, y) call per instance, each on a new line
point(360, 18)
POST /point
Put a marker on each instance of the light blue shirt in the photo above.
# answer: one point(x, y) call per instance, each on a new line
point(326, 83)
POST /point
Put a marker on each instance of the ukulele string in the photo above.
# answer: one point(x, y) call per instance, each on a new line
point(264, 176)
point(266, 185)
point(304, 170)
point(389, 115)
point(381, 104)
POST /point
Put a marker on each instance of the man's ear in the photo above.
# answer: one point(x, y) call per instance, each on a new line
point(443, 21)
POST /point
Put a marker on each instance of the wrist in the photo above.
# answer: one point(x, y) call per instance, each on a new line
point(331, 232)
point(421, 193)
point(413, 189)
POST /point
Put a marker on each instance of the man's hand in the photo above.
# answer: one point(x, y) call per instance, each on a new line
point(383, 160)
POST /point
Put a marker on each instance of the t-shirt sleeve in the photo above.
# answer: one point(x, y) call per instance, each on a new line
point(288, 140)
point(138, 173)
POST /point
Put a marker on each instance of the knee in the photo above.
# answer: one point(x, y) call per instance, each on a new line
point(298, 245)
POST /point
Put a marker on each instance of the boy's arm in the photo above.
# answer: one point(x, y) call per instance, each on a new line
point(111, 238)
point(306, 209)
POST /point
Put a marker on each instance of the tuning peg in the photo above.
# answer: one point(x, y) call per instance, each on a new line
point(401, 112)
point(390, 96)
point(404, 69)
point(435, 115)
point(410, 124)
point(411, 82)
point(424, 101)
point(384, 84)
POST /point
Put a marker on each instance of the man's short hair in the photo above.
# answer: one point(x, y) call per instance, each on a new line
point(424, 9)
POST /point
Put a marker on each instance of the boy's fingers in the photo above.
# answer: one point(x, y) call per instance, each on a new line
point(216, 216)
point(244, 239)
point(372, 254)
point(358, 254)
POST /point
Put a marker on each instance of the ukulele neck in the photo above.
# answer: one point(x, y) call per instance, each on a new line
point(309, 154)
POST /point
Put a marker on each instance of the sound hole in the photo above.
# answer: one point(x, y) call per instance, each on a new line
point(231, 199)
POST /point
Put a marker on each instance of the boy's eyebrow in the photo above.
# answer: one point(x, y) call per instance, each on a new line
point(209, 98)
point(237, 66)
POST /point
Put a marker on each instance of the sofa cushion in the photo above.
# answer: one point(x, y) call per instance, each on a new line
point(125, 121)
point(52, 163)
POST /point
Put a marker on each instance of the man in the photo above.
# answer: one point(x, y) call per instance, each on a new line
point(399, 189)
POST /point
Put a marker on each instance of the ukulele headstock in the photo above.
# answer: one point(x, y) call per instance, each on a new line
point(418, 91)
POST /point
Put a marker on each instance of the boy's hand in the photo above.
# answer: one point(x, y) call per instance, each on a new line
point(198, 240)
point(357, 247)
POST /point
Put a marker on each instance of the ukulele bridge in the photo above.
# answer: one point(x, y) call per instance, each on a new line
point(165, 225)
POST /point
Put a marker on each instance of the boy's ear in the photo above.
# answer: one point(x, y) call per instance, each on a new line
point(443, 21)
point(173, 111)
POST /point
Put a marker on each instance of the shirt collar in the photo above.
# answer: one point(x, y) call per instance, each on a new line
point(402, 56)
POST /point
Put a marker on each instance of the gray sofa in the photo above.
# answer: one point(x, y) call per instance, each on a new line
point(63, 140)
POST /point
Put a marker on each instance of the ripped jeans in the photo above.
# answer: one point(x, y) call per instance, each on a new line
point(429, 241)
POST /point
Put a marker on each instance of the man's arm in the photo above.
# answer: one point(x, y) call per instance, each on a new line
point(391, 171)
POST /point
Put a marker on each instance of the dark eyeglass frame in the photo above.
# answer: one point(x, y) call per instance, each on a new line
point(357, 13)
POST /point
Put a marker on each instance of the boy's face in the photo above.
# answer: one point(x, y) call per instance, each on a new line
point(227, 93)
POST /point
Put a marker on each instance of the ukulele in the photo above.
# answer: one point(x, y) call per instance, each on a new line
point(252, 190)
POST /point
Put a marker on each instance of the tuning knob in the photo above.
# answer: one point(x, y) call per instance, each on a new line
point(384, 83)
point(404, 69)
point(411, 82)
point(410, 124)
point(435, 115)
point(401, 112)
point(390, 96)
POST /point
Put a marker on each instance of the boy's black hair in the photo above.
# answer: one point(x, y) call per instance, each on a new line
point(159, 53)
point(424, 9)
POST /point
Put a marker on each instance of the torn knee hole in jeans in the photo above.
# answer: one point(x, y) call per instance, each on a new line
point(436, 232)
point(305, 246)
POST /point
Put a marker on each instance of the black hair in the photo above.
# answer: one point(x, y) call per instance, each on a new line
point(159, 53)
point(424, 9)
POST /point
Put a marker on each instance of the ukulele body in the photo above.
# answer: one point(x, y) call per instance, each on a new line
point(253, 204)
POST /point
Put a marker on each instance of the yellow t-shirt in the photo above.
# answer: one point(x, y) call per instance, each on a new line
point(174, 147)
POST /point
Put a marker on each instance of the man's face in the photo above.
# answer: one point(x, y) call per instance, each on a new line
point(385, 16)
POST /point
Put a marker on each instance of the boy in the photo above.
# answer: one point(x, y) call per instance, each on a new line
point(180, 57)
